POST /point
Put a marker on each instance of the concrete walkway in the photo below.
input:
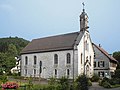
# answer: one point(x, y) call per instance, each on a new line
point(95, 86)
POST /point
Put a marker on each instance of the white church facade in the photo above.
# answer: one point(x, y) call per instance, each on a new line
point(68, 54)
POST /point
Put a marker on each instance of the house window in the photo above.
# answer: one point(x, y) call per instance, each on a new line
point(35, 60)
point(68, 58)
point(55, 72)
point(81, 57)
point(101, 64)
point(55, 59)
point(68, 72)
point(26, 60)
point(101, 74)
point(94, 64)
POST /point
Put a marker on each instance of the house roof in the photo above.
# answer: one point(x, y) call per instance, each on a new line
point(52, 43)
point(105, 53)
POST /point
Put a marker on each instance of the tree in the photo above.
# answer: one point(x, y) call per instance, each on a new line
point(12, 50)
point(2, 62)
point(7, 62)
point(117, 73)
point(116, 55)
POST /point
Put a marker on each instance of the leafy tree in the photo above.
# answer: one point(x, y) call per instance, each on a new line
point(20, 43)
point(117, 73)
point(7, 62)
point(2, 62)
point(12, 50)
point(116, 55)
point(9, 48)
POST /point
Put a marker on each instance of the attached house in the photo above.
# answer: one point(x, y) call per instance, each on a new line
point(68, 54)
point(104, 64)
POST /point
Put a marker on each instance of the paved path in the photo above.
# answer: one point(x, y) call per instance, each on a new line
point(95, 86)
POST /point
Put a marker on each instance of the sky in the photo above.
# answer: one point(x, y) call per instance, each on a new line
point(31, 19)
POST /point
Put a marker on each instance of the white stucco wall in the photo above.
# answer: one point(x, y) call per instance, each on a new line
point(48, 66)
point(88, 53)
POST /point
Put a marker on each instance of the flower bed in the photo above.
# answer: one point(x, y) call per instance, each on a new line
point(9, 85)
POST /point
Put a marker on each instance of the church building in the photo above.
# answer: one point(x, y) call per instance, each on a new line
point(68, 54)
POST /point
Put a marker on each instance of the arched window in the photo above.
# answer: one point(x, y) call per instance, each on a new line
point(55, 59)
point(68, 58)
point(35, 60)
point(81, 57)
point(90, 59)
point(40, 67)
point(26, 60)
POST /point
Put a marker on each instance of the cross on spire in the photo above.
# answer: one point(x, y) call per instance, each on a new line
point(83, 6)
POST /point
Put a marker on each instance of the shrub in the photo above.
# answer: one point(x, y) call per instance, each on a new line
point(89, 83)
point(117, 73)
point(115, 81)
point(82, 82)
point(95, 78)
point(3, 78)
point(106, 84)
point(52, 81)
point(64, 83)
point(10, 85)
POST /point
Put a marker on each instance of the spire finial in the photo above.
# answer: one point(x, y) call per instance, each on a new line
point(83, 6)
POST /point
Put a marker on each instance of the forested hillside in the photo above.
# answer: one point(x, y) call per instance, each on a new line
point(9, 49)
point(18, 43)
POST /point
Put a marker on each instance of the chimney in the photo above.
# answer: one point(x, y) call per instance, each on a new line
point(99, 45)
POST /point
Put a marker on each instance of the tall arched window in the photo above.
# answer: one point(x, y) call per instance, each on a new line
point(55, 59)
point(81, 57)
point(90, 59)
point(35, 60)
point(26, 60)
point(68, 58)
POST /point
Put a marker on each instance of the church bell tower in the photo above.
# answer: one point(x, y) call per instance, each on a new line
point(83, 20)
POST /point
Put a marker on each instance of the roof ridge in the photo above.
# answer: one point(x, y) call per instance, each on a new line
point(57, 35)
